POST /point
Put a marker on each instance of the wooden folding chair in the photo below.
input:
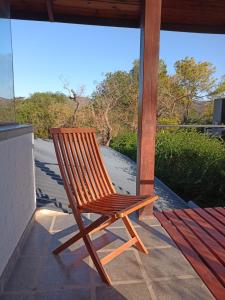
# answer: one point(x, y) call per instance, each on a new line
point(89, 189)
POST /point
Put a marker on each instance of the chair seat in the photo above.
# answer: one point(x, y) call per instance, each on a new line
point(118, 205)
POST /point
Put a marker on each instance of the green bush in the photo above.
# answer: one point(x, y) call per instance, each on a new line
point(190, 163)
point(126, 143)
point(43, 111)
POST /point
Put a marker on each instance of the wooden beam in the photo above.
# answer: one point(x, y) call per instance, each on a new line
point(149, 60)
point(50, 10)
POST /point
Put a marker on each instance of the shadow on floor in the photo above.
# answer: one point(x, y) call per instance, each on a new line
point(41, 275)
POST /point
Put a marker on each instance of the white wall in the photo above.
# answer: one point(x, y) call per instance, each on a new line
point(17, 192)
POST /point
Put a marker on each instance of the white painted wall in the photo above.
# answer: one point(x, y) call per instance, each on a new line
point(17, 192)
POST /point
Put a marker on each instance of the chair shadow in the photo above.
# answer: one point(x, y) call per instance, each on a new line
point(69, 268)
point(153, 231)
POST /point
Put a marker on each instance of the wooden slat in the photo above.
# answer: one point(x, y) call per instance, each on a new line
point(210, 242)
point(101, 181)
point(216, 215)
point(84, 166)
point(91, 169)
point(89, 189)
point(212, 221)
point(220, 210)
point(214, 285)
point(210, 260)
point(207, 227)
point(84, 194)
point(106, 178)
point(67, 185)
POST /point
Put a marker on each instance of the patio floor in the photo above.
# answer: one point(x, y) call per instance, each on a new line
point(162, 274)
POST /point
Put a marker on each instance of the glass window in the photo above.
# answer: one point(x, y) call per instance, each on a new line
point(7, 103)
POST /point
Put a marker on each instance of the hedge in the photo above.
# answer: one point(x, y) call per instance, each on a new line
point(190, 163)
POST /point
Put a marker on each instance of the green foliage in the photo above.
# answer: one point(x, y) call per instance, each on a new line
point(114, 104)
point(7, 111)
point(167, 121)
point(191, 163)
point(126, 143)
point(43, 111)
point(195, 77)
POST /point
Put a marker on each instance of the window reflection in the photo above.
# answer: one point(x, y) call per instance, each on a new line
point(7, 109)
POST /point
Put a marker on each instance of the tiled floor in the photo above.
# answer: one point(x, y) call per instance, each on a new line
point(162, 274)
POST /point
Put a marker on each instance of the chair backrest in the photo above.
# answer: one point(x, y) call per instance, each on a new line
point(84, 175)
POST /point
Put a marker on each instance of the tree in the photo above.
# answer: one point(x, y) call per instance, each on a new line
point(43, 111)
point(112, 105)
point(197, 81)
point(74, 97)
point(169, 95)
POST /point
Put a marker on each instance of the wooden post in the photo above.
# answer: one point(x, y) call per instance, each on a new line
point(149, 61)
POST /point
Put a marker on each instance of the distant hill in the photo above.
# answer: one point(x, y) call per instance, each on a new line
point(83, 101)
point(199, 106)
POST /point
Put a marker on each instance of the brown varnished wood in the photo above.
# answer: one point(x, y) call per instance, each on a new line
point(130, 228)
point(199, 246)
point(179, 15)
point(92, 173)
point(193, 249)
point(149, 58)
point(89, 189)
point(118, 251)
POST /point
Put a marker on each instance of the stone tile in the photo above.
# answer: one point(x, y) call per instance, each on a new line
point(122, 268)
point(154, 236)
point(166, 263)
point(24, 276)
point(185, 289)
point(110, 238)
point(58, 238)
point(118, 223)
point(149, 221)
point(67, 294)
point(44, 218)
point(13, 296)
point(36, 243)
point(64, 222)
point(59, 271)
point(132, 291)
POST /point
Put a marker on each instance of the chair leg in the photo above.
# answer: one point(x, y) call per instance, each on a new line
point(95, 226)
point(133, 233)
point(104, 276)
point(68, 243)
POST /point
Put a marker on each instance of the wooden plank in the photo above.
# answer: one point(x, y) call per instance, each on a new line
point(193, 257)
point(50, 10)
point(210, 260)
point(180, 15)
point(207, 227)
point(216, 215)
point(220, 210)
point(212, 221)
point(149, 61)
point(209, 241)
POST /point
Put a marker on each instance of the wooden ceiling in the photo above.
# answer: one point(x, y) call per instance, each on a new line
point(180, 15)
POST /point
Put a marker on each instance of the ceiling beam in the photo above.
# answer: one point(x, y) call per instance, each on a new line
point(50, 10)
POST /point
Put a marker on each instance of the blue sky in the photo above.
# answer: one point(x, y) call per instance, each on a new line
point(45, 54)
